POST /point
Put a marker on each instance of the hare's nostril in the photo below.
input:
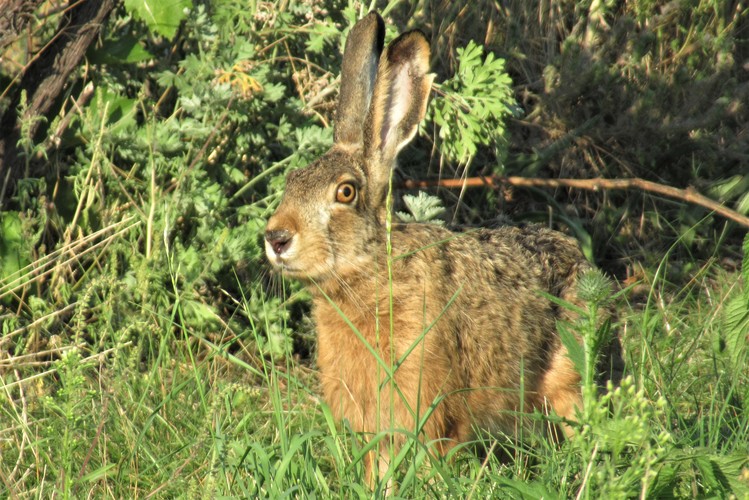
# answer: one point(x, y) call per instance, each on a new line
point(280, 246)
point(279, 240)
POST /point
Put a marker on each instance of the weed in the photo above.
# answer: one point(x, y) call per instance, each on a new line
point(145, 352)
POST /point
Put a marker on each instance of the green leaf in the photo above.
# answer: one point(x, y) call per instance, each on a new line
point(199, 312)
point(736, 318)
point(574, 348)
point(12, 257)
point(125, 50)
point(98, 474)
point(423, 208)
point(745, 263)
point(322, 34)
point(120, 110)
point(473, 106)
point(707, 472)
point(742, 205)
point(726, 189)
point(528, 490)
point(162, 17)
point(732, 467)
point(736, 328)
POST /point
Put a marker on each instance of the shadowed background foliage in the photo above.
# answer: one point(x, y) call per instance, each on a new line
point(145, 348)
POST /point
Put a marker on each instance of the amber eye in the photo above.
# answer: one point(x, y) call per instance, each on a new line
point(346, 193)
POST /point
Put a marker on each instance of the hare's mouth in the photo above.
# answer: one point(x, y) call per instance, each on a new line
point(300, 270)
point(280, 264)
point(283, 266)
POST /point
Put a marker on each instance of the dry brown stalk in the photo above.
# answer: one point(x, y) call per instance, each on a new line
point(689, 195)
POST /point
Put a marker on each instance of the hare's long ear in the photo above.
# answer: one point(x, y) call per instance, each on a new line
point(358, 72)
point(399, 103)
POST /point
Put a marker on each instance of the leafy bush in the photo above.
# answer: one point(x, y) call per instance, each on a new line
point(145, 348)
point(194, 147)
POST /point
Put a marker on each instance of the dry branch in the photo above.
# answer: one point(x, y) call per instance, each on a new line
point(44, 80)
point(689, 195)
point(14, 16)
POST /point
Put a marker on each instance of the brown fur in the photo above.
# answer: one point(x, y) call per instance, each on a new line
point(469, 332)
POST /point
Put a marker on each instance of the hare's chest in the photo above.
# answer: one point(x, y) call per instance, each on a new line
point(369, 333)
point(359, 355)
point(350, 340)
point(349, 362)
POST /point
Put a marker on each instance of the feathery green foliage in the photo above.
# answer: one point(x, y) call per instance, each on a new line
point(145, 351)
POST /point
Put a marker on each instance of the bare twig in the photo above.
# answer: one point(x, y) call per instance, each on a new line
point(24, 436)
point(54, 139)
point(96, 356)
point(45, 79)
point(689, 195)
point(99, 428)
point(30, 359)
point(41, 268)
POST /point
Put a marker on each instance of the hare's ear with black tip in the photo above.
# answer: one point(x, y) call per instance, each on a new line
point(358, 72)
point(398, 104)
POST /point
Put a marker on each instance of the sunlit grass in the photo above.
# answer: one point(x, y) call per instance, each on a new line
point(162, 412)
point(132, 367)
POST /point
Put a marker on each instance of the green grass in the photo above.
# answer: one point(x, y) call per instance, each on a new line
point(152, 409)
point(145, 352)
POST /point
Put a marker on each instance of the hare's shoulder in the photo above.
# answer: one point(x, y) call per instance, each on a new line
point(557, 255)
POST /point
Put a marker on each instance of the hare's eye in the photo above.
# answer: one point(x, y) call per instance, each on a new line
point(346, 193)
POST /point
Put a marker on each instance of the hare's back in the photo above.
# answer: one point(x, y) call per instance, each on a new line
point(556, 256)
point(487, 282)
point(531, 257)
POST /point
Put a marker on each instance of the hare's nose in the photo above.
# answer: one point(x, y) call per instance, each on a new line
point(279, 240)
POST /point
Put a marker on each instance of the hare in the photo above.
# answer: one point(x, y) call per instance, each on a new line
point(444, 332)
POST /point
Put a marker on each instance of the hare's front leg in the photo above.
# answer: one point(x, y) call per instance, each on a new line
point(413, 404)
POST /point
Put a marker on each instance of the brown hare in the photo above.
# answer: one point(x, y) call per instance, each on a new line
point(455, 317)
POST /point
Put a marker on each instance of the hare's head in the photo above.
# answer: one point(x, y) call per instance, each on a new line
point(331, 216)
